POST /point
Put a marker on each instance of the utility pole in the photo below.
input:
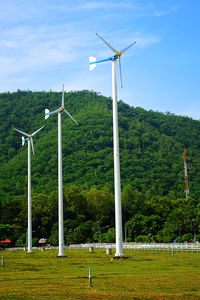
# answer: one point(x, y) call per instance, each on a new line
point(186, 177)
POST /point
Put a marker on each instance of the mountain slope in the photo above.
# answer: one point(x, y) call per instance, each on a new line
point(151, 145)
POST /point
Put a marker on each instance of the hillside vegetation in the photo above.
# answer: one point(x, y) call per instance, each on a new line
point(151, 153)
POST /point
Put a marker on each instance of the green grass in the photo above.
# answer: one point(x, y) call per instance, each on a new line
point(147, 275)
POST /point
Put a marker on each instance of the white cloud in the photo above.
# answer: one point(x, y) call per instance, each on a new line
point(106, 4)
point(30, 47)
point(145, 41)
point(7, 66)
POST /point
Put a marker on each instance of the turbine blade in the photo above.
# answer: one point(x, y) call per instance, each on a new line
point(23, 140)
point(63, 96)
point(26, 134)
point(120, 72)
point(109, 46)
point(70, 116)
point(32, 146)
point(125, 49)
point(37, 130)
point(92, 63)
point(46, 114)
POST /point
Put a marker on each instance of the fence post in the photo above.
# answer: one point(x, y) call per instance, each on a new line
point(2, 261)
point(90, 277)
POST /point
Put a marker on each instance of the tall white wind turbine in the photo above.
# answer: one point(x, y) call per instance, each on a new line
point(60, 182)
point(30, 144)
point(118, 209)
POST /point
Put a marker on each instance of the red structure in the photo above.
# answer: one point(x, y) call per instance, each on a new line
point(186, 178)
point(5, 241)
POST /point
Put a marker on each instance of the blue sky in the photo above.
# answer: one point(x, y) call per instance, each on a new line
point(46, 43)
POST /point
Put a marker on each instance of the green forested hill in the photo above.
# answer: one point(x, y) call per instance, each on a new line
point(152, 173)
point(151, 145)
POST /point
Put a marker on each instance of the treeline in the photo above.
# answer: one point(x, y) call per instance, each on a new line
point(89, 217)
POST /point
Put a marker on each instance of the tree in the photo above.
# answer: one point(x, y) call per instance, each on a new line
point(176, 221)
point(75, 201)
point(100, 206)
point(142, 225)
point(132, 202)
point(107, 237)
point(83, 233)
point(41, 216)
point(5, 231)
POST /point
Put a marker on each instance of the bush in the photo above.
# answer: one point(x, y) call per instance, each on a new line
point(53, 239)
point(187, 237)
point(198, 237)
point(108, 237)
point(83, 233)
point(5, 231)
point(35, 242)
point(19, 243)
point(179, 240)
point(128, 240)
point(143, 239)
point(162, 237)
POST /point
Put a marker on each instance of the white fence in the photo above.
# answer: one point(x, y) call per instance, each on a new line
point(194, 247)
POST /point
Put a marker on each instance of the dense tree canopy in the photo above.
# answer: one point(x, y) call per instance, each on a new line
point(152, 174)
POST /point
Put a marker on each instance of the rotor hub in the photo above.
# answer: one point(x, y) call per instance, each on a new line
point(119, 54)
point(62, 107)
point(30, 136)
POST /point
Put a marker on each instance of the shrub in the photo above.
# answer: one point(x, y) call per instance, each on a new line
point(187, 237)
point(198, 237)
point(19, 243)
point(143, 239)
point(163, 237)
point(35, 242)
point(179, 239)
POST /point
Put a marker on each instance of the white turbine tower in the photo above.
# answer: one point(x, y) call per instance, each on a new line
point(60, 183)
point(118, 210)
point(30, 143)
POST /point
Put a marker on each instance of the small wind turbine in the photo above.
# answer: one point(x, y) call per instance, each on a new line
point(118, 210)
point(60, 183)
point(117, 55)
point(30, 144)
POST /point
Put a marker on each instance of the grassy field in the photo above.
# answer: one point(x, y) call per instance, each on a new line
point(147, 275)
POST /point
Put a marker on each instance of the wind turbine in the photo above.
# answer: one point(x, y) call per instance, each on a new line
point(60, 183)
point(30, 144)
point(118, 209)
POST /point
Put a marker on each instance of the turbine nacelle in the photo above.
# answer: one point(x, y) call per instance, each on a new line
point(61, 109)
point(29, 137)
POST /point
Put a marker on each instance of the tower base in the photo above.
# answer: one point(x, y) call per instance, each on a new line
point(120, 257)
